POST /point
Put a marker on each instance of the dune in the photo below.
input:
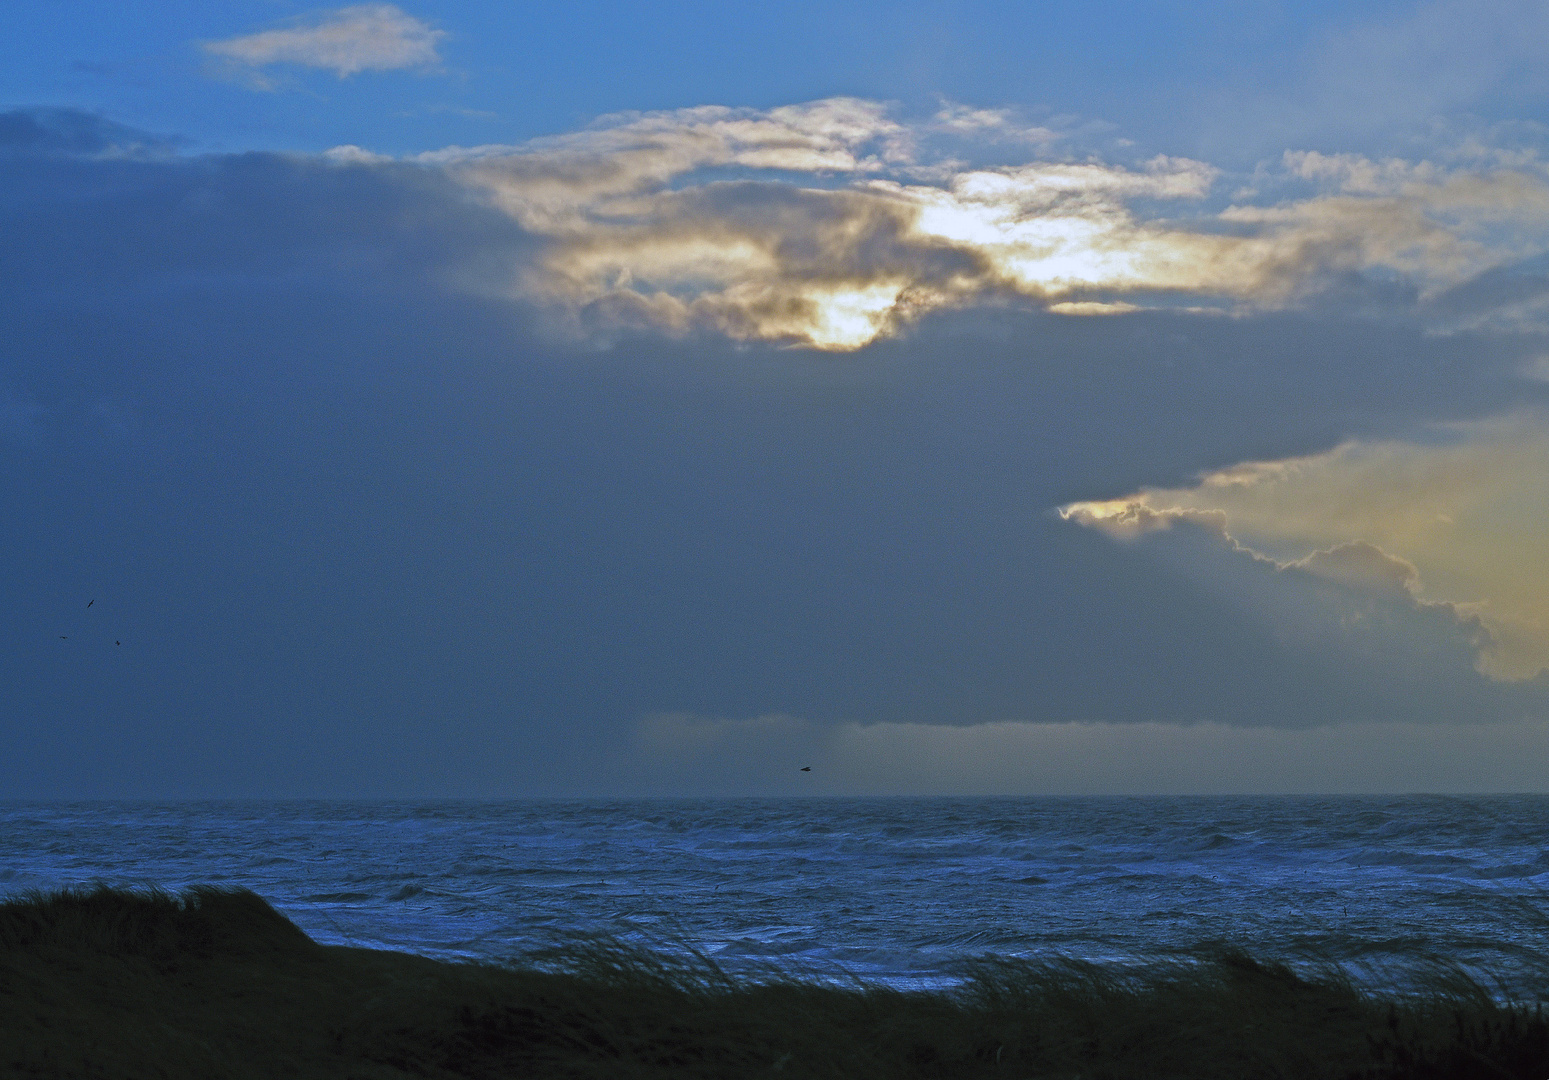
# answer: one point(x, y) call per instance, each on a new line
point(217, 983)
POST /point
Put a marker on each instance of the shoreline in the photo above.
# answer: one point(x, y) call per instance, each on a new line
point(211, 982)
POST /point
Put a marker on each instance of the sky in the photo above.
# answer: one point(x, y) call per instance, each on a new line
point(493, 399)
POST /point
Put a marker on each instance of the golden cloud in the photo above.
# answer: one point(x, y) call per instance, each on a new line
point(830, 224)
point(1460, 520)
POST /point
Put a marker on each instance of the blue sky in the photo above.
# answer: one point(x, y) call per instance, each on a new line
point(1172, 75)
point(483, 399)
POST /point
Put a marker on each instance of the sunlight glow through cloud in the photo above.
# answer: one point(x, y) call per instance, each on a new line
point(832, 224)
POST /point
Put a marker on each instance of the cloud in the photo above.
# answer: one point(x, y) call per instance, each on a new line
point(1457, 522)
point(999, 124)
point(833, 224)
point(1429, 58)
point(763, 754)
point(342, 216)
point(373, 534)
point(1361, 565)
point(55, 132)
point(347, 41)
point(1392, 77)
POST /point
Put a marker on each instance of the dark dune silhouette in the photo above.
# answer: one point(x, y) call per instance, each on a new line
point(136, 986)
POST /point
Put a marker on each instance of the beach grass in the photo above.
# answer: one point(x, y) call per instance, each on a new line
point(216, 983)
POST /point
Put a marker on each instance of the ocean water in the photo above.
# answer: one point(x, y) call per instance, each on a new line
point(897, 890)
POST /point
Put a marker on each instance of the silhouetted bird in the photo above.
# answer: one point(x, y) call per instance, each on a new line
point(63, 638)
point(89, 603)
point(118, 642)
point(806, 768)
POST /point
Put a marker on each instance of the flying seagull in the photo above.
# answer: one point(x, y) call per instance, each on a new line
point(806, 768)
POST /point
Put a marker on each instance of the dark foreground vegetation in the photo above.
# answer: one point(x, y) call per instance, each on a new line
point(218, 984)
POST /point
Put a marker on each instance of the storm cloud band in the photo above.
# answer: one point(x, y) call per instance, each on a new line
point(407, 473)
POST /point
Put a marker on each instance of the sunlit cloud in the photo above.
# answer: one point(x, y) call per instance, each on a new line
point(997, 124)
point(364, 37)
point(832, 224)
point(1459, 521)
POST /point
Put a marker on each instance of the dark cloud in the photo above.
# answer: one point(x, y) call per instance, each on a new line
point(1351, 644)
point(363, 530)
point(1511, 294)
point(72, 133)
point(258, 220)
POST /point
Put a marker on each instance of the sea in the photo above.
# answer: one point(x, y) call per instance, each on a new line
point(901, 891)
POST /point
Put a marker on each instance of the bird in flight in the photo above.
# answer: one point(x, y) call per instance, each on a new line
point(806, 768)
point(118, 642)
point(90, 602)
point(63, 638)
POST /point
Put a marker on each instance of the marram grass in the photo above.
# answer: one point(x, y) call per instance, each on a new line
point(216, 983)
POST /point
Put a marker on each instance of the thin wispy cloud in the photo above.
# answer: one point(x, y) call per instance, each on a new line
point(1429, 59)
point(347, 41)
point(1387, 78)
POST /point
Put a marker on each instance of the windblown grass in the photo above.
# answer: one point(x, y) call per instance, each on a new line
point(216, 983)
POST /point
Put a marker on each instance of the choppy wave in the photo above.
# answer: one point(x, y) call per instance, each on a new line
point(895, 889)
